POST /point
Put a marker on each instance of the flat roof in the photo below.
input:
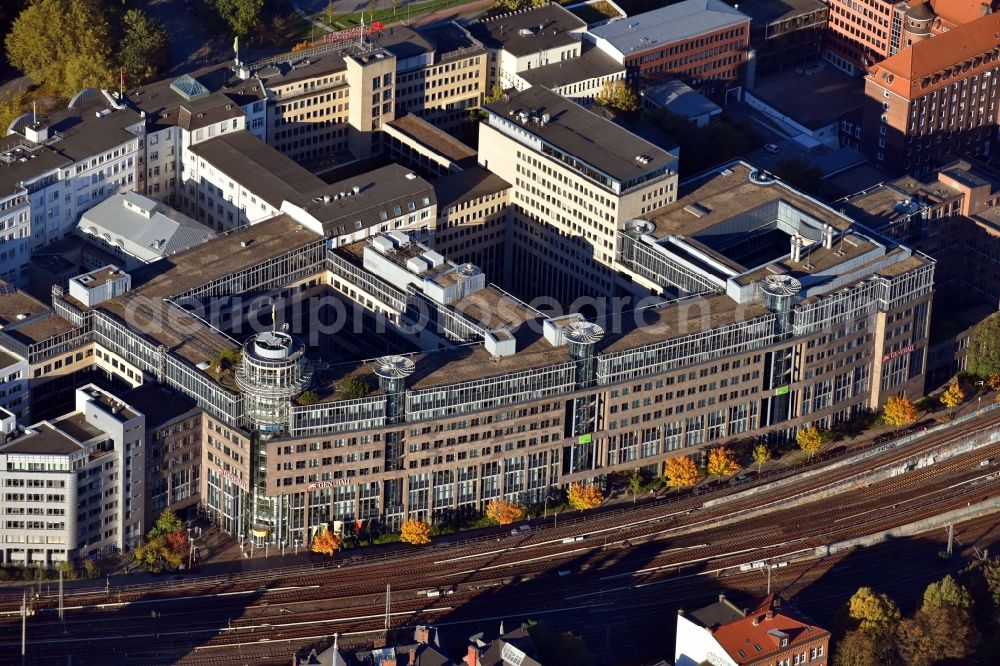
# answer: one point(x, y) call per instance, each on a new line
point(258, 167)
point(220, 257)
point(815, 258)
point(467, 185)
point(14, 302)
point(159, 404)
point(593, 63)
point(722, 197)
point(763, 12)
point(679, 98)
point(573, 129)
point(43, 440)
point(21, 160)
point(432, 138)
point(449, 39)
point(84, 134)
point(665, 25)
point(98, 277)
point(75, 425)
point(529, 31)
point(300, 67)
point(831, 94)
point(380, 191)
point(169, 326)
point(7, 359)
point(40, 329)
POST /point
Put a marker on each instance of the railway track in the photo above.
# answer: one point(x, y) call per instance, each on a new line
point(650, 549)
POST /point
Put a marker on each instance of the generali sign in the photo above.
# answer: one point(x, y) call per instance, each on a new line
point(328, 484)
point(899, 352)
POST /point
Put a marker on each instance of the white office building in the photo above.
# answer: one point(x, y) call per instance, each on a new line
point(73, 486)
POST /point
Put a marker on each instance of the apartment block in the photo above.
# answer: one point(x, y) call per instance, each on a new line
point(577, 178)
point(527, 39)
point(74, 486)
point(705, 43)
point(55, 168)
point(935, 98)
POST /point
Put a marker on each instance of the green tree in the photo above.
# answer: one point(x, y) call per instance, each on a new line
point(947, 592)
point(307, 398)
point(496, 92)
point(619, 96)
point(63, 45)
point(635, 485)
point(165, 547)
point(874, 612)
point(354, 387)
point(67, 569)
point(241, 15)
point(799, 172)
point(89, 569)
point(11, 106)
point(984, 347)
point(810, 440)
point(761, 454)
point(143, 49)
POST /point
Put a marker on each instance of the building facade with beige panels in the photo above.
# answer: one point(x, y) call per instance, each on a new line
point(577, 178)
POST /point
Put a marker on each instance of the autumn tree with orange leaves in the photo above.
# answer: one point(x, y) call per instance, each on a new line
point(899, 411)
point(503, 512)
point(584, 496)
point(417, 532)
point(721, 462)
point(326, 543)
point(681, 472)
point(953, 396)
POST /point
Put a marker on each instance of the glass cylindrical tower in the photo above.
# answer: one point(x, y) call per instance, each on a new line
point(273, 370)
point(779, 292)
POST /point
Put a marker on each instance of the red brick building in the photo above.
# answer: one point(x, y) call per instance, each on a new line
point(702, 42)
point(934, 98)
point(769, 634)
point(863, 32)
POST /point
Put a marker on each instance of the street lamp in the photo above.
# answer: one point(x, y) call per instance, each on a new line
point(283, 542)
point(297, 542)
point(190, 548)
point(545, 507)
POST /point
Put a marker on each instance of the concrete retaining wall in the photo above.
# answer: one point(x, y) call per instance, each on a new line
point(892, 444)
point(983, 508)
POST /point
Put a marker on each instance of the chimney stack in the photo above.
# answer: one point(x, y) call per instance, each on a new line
point(796, 249)
point(828, 236)
point(472, 657)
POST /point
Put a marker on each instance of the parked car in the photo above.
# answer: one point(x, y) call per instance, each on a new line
point(522, 529)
